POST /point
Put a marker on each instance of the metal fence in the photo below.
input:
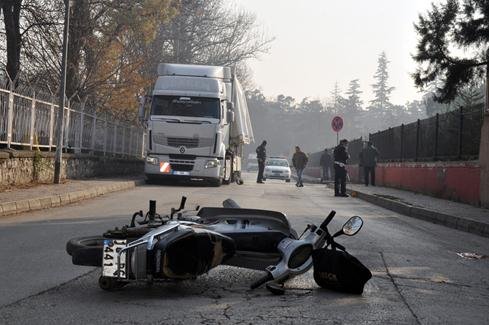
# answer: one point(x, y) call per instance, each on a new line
point(451, 136)
point(31, 122)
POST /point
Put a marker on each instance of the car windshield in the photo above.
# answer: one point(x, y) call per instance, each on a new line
point(186, 106)
point(278, 162)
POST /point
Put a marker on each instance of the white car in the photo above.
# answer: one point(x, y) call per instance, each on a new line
point(277, 168)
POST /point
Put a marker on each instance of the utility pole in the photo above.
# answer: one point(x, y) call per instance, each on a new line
point(62, 96)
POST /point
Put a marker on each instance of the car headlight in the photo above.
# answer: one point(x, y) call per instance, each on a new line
point(152, 160)
point(211, 164)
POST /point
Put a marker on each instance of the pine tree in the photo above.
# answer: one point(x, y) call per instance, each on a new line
point(463, 27)
point(353, 102)
point(381, 88)
point(336, 98)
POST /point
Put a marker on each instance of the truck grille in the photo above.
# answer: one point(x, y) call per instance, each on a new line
point(185, 142)
point(182, 167)
point(182, 163)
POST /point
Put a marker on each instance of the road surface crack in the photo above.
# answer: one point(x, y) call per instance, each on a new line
point(398, 289)
point(55, 288)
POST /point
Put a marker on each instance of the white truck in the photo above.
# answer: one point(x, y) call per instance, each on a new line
point(197, 122)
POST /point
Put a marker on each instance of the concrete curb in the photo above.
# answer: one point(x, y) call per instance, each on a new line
point(53, 201)
point(451, 221)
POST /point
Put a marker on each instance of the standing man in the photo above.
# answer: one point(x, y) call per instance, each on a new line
point(261, 156)
point(340, 158)
point(369, 157)
point(299, 160)
point(325, 163)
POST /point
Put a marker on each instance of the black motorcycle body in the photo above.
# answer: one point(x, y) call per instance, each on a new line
point(186, 244)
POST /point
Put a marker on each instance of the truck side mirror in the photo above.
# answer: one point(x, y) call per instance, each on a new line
point(230, 116)
point(141, 113)
point(143, 100)
point(230, 106)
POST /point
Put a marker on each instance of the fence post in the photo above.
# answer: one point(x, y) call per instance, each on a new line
point(94, 132)
point(437, 124)
point(402, 141)
point(51, 126)
point(105, 132)
point(143, 144)
point(67, 126)
point(460, 132)
point(123, 140)
point(114, 148)
point(10, 115)
point(82, 126)
point(416, 154)
point(33, 120)
point(129, 151)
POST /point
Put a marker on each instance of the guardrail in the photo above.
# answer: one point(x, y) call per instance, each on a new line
point(31, 122)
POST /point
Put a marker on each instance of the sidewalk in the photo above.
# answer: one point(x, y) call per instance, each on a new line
point(448, 213)
point(44, 196)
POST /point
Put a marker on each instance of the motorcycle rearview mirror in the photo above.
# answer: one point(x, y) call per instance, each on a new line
point(351, 227)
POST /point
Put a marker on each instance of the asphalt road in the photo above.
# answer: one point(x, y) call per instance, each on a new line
point(417, 276)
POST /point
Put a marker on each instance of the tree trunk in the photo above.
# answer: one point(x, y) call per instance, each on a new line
point(11, 18)
point(78, 35)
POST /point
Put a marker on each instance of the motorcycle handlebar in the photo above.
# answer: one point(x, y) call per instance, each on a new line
point(261, 281)
point(328, 219)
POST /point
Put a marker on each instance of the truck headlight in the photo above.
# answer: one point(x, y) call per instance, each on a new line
point(152, 160)
point(211, 163)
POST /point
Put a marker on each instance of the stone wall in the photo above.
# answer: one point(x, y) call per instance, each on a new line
point(25, 167)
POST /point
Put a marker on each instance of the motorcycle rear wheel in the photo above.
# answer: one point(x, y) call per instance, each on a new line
point(87, 251)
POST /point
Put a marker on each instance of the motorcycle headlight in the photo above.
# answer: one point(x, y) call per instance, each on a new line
point(211, 163)
point(152, 160)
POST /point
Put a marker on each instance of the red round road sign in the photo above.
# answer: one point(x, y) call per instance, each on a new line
point(337, 123)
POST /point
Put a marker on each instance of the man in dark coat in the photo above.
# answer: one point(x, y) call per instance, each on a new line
point(340, 158)
point(261, 156)
point(299, 161)
point(368, 159)
point(325, 163)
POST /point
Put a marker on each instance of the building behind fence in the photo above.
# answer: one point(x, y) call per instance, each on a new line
point(31, 122)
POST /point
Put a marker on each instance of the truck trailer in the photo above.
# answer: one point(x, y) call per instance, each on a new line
point(197, 122)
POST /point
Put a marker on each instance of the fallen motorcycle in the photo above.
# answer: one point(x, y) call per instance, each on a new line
point(188, 243)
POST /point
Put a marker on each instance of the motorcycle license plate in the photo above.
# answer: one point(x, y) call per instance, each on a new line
point(110, 268)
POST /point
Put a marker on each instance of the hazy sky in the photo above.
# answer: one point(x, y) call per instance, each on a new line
point(319, 42)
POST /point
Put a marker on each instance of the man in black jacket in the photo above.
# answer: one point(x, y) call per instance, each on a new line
point(368, 160)
point(340, 158)
point(299, 161)
point(261, 156)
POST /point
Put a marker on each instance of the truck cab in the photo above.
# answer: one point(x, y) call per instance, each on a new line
point(197, 124)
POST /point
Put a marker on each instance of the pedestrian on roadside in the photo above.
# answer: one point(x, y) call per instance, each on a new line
point(368, 159)
point(325, 163)
point(299, 161)
point(340, 158)
point(261, 157)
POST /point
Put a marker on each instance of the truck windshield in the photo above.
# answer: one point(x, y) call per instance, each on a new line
point(186, 106)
